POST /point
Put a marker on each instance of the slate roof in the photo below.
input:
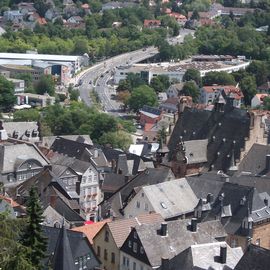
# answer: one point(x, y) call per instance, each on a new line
point(196, 151)
point(147, 177)
point(172, 198)
point(18, 130)
point(49, 140)
point(239, 202)
point(255, 258)
point(178, 239)
point(79, 247)
point(205, 256)
point(112, 182)
point(225, 131)
point(12, 154)
point(120, 229)
point(150, 110)
point(255, 160)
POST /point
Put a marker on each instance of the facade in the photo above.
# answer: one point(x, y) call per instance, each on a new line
point(176, 71)
point(110, 238)
point(209, 94)
point(14, 16)
point(149, 115)
point(172, 199)
point(20, 161)
point(258, 99)
point(35, 100)
point(18, 85)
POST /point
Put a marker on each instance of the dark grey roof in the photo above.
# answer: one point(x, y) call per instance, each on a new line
point(255, 160)
point(149, 109)
point(205, 257)
point(62, 257)
point(147, 177)
point(196, 151)
point(178, 239)
point(225, 131)
point(112, 182)
point(255, 258)
point(69, 147)
point(79, 246)
point(242, 202)
point(49, 140)
point(205, 183)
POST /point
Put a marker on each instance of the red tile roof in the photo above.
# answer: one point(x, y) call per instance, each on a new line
point(228, 89)
point(148, 23)
point(91, 230)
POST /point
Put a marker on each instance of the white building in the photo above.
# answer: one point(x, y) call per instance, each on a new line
point(169, 199)
point(176, 71)
point(18, 85)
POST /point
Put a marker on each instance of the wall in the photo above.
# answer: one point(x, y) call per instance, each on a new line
point(261, 235)
point(132, 209)
point(131, 261)
point(110, 246)
point(89, 194)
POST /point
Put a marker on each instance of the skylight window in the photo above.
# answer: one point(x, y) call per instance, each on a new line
point(163, 205)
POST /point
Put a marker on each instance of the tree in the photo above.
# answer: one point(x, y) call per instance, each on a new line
point(7, 97)
point(32, 236)
point(124, 96)
point(220, 78)
point(13, 255)
point(26, 115)
point(134, 80)
point(260, 70)
point(118, 139)
point(191, 89)
point(46, 84)
point(248, 87)
point(193, 75)
point(142, 95)
point(124, 85)
point(160, 83)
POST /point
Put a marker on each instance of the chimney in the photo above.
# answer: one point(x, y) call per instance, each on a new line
point(210, 198)
point(96, 153)
point(193, 226)
point(223, 253)
point(165, 264)
point(163, 229)
point(265, 201)
point(267, 165)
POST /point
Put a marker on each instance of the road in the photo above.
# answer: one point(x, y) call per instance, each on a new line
point(98, 75)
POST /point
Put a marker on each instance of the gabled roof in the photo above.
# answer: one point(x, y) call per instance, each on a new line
point(147, 177)
point(120, 229)
point(179, 238)
point(172, 198)
point(225, 131)
point(62, 257)
point(243, 202)
point(79, 247)
point(91, 230)
point(206, 256)
point(255, 258)
point(228, 89)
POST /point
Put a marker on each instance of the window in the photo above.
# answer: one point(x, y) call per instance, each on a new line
point(94, 190)
point(142, 194)
point(141, 250)
point(127, 262)
point(113, 258)
point(146, 207)
point(105, 254)
point(135, 247)
point(141, 268)
point(138, 204)
point(124, 260)
point(98, 251)
point(106, 236)
point(129, 244)
point(258, 241)
point(83, 179)
point(135, 235)
point(134, 266)
point(89, 178)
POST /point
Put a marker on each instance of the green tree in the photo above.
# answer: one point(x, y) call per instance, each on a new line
point(13, 255)
point(143, 95)
point(191, 89)
point(134, 80)
point(46, 84)
point(195, 15)
point(193, 75)
point(220, 78)
point(160, 83)
point(248, 87)
point(32, 236)
point(117, 139)
point(7, 97)
point(26, 115)
point(260, 70)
